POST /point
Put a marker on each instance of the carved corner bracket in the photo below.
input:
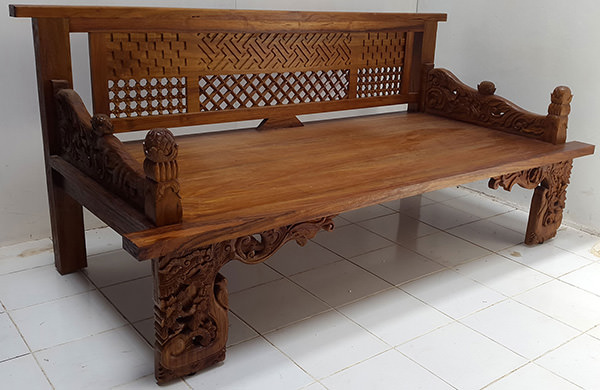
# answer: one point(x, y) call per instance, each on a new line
point(191, 300)
point(550, 183)
point(447, 96)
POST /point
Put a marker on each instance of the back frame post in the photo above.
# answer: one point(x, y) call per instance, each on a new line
point(53, 62)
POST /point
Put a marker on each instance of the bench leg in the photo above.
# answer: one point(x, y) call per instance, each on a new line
point(191, 301)
point(190, 312)
point(550, 183)
point(68, 235)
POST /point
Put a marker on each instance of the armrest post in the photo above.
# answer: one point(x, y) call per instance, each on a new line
point(558, 114)
point(163, 203)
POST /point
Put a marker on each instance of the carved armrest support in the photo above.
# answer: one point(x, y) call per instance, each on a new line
point(88, 143)
point(447, 96)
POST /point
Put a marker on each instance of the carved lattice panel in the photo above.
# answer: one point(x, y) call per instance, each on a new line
point(150, 74)
point(168, 54)
point(147, 96)
point(383, 48)
point(382, 81)
point(231, 91)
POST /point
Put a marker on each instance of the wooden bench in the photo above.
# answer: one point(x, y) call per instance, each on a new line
point(194, 203)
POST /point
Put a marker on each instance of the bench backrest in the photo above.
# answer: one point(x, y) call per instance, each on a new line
point(170, 67)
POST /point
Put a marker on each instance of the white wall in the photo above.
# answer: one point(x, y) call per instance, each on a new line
point(527, 48)
point(23, 200)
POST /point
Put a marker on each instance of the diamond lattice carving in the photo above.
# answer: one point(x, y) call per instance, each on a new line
point(231, 91)
point(146, 96)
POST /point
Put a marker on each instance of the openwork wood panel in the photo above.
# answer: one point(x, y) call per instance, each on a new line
point(231, 91)
point(145, 74)
point(147, 96)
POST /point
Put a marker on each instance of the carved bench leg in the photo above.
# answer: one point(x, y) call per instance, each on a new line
point(550, 183)
point(190, 311)
point(191, 301)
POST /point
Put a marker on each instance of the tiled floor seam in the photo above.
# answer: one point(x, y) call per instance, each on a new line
point(537, 270)
point(51, 300)
point(81, 338)
point(118, 283)
point(425, 235)
point(425, 368)
point(30, 350)
point(286, 355)
point(43, 371)
point(529, 361)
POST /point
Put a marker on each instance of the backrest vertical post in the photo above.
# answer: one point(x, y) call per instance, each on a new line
point(98, 69)
point(424, 57)
point(53, 62)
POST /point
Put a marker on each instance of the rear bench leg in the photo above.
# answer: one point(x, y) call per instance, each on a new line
point(550, 183)
point(66, 219)
point(191, 301)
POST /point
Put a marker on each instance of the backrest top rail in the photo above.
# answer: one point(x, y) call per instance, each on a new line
point(88, 18)
point(94, 12)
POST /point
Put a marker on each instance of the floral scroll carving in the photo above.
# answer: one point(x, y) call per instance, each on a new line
point(191, 301)
point(550, 183)
point(89, 144)
point(445, 95)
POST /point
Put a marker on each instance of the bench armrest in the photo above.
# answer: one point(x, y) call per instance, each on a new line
point(446, 95)
point(88, 143)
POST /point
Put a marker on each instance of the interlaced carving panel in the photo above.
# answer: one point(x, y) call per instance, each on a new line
point(383, 48)
point(381, 81)
point(146, 96)
point(231, 91)
point(150, 74)
point(271, 51)
point(169, 54)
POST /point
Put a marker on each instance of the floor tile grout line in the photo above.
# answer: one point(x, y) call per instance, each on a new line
point(31, 352)
point(42, 369)
point(425, 368)
point(427, 235)
point(537, 270)
point(137, 278)
point(128, 321)
point(51, 300)
point(460, 321)
point(521, 367)
point(287, 356)
point(557, 319)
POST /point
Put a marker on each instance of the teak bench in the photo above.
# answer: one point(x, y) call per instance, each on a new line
point(194, 203)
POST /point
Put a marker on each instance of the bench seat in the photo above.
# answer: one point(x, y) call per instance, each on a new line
point(287, 176)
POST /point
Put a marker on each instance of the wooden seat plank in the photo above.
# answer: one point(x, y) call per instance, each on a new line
point(332, 166)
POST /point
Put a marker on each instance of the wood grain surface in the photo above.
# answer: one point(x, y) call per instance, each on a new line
point(238, 182)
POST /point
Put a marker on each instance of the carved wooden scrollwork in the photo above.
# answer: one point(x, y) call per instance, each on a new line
point(89, 144)
point(550, 183)
point(445, 95)
point(191, 296)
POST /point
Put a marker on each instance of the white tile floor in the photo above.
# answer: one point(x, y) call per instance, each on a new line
point(386, 301)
